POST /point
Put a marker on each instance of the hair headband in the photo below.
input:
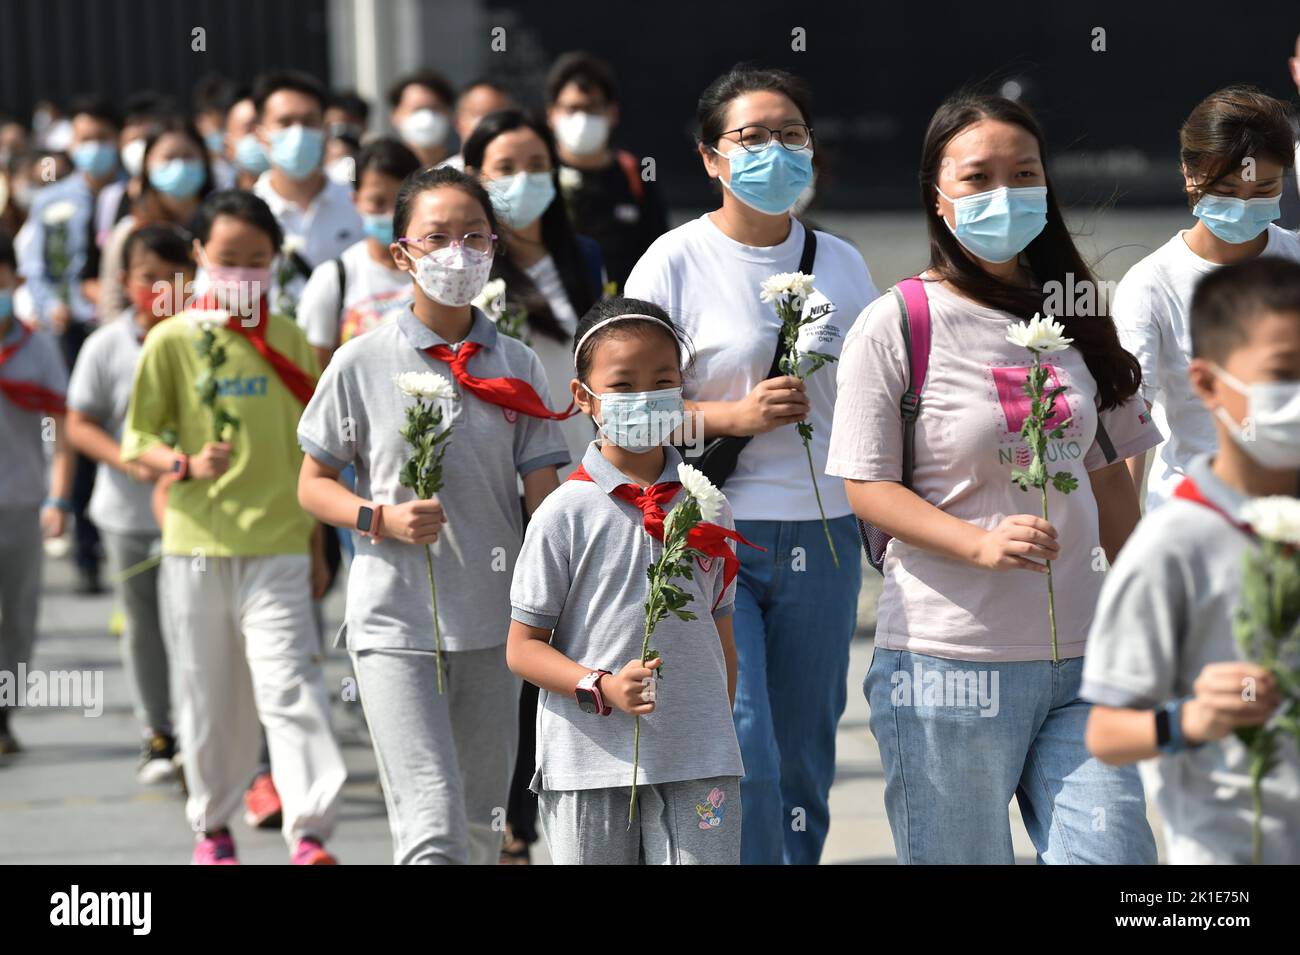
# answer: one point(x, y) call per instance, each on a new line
point(618, 318)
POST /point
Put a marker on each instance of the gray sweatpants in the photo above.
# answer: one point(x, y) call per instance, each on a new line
point(22, 551)
point(692, 822)
point(144, 654)
point(445, 760)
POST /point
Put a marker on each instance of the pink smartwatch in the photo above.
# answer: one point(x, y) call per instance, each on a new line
point(590, 699)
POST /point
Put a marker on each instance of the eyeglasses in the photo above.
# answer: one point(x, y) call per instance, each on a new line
point(437, 241)
point(753, 138)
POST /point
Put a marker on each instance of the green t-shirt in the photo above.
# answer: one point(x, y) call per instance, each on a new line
point(253, 508)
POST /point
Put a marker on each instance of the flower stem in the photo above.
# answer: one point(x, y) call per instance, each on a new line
point(825, 527)
point(651, 603)
point(1051, 595)
point(437, 637)
point(1257, 798)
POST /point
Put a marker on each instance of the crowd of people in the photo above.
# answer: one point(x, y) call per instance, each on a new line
point(247, 344)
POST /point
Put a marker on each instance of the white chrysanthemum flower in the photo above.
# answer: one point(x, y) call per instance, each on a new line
point(492, 299)
point(570, 178)
point(59, 212)
point(1275, 518)
point(292, 244)
point(785, 283)
point(701, 488)
point(1040, 334)
point(424, 384)
point(207, 319)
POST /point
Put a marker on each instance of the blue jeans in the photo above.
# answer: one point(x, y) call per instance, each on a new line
point(959, 739)
point(795, 616)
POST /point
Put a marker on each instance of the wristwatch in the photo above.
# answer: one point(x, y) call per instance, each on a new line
point(365, 519)
point(1169, 728)
point(368, 520)
point(181, 467)
point(590, 699)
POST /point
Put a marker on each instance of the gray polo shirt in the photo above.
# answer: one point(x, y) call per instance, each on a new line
point(582, 574)
point(354, 417)
point(22, 445)
point(100, 388)
point(1165, 612)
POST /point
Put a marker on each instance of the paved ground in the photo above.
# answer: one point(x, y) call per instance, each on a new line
point(72, 797)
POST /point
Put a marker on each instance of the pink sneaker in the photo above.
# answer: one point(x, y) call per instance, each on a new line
point(215, 850)
point(311, 852)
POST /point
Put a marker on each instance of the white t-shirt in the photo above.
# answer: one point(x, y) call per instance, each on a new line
point(373, 296)
point(709, 285)
point(967, 444)
point(1152, 312)
point(557, 357)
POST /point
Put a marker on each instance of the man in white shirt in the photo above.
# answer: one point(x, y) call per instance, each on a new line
point(421, 114)
point(316, 213)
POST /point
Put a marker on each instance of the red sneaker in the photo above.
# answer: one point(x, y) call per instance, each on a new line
point(262, 804)
point(311, 852)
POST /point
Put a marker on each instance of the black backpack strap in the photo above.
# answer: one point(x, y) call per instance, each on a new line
point(1103, 439)
point(343, 282)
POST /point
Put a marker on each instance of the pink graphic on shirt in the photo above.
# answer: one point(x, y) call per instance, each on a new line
point(1010, 383)
point(511, 414)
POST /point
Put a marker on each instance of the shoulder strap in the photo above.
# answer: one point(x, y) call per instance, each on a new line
point(806, 259)
point(1103, 439)
point(632, 170)
point(914, 306)
point(343, 282)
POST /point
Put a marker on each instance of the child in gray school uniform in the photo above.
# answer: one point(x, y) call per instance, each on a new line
point(446, 752)
point(157, 266)
point(33, 379)
point(1165, 675)
point(578, 617)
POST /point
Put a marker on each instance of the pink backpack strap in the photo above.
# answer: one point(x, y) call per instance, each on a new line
point(917, 310)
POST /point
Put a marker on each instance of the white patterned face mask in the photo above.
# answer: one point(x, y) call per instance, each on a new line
point(453, 276)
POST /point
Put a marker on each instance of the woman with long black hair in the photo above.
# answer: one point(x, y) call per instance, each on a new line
point(552, 275)
point(968, 704)
point(175, 179)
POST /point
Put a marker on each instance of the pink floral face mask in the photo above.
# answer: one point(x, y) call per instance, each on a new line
point(452, 276)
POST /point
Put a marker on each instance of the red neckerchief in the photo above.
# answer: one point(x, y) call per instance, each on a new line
point(28, 395)
point(299, 383)
point(1188, 491)
point(513, 393)
point(709, 539)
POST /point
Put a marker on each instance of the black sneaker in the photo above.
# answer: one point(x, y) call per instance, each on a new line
point(158, 759)
point(88, 582)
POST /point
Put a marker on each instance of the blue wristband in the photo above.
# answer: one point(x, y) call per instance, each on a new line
point(62, 503)
point(1173, 720)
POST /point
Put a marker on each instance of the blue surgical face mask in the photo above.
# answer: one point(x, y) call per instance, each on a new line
point(379, 227)
point(297, 151)
point(640, 422)
point(250, 154)
point(520, 199)
point(769, 180)
point(94, 157)
point(999, 224)
point(6, 303)
point(178, 178)
point(215, 141)
point(1237, 220)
